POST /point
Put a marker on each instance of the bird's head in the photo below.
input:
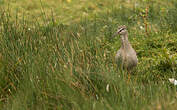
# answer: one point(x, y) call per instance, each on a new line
point(122, 30)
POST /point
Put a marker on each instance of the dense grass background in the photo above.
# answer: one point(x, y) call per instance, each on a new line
point(60, 55)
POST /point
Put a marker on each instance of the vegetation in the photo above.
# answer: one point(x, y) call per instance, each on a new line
point(60, 55)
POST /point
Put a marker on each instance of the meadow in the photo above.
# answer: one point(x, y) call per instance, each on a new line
point(59, 55)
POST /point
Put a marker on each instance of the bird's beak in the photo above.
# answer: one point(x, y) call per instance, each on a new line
point(116, 33)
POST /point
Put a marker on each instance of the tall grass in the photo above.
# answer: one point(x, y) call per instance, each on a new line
point(71, 67)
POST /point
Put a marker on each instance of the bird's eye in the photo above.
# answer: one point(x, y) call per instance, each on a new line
point(121, 29)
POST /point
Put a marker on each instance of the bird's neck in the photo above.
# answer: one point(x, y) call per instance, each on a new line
point(124, 41)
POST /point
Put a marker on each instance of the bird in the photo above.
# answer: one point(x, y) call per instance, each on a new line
point(126, 57)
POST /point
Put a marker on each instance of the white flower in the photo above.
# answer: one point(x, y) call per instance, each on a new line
point(141, 27)
point(97, 97)
point(173, 81)
point(107, 87)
